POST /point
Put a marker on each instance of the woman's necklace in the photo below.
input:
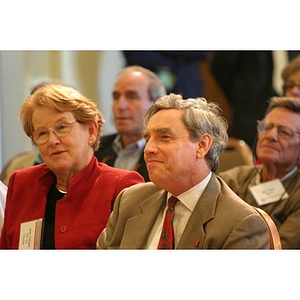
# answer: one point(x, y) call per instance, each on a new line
point(63, 192)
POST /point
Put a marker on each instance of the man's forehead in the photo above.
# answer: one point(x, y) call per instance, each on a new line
point(157, 129)
point(163, 129)
point(283, 116)
point(132, 75)
point(131, 81)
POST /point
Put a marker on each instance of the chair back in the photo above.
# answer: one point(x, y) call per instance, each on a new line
point(275, 242)
point(236, 153)
point(20, 161)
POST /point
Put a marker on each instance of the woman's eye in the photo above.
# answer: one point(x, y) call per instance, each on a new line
point(41, 133)
point(61, 127)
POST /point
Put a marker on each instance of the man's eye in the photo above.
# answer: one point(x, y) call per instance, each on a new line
point(269, 127)
point(115, 96)
point(285, 132)
point(132, 96)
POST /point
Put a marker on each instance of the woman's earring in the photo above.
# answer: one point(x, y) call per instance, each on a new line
point(91, 143)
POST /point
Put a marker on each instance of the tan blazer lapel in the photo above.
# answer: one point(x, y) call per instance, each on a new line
point(194, 234)
point(138, 228)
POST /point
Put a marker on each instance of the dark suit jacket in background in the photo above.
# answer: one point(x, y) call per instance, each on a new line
point(185, 65)
point(106, 154)
point(220, 220)
point(246, 78)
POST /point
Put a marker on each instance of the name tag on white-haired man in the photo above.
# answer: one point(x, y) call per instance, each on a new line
point(268, 192)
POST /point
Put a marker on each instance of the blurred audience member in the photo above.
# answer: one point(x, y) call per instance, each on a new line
point(179, 70)
point(274, 185)
point(135, 90)
point(291, 78)
point(246, 78)
point(65, 202)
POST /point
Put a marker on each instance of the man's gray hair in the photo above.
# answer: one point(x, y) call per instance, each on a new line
point(290, 103)
point(200, 117)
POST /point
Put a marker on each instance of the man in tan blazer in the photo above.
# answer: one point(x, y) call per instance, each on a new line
point(184, 141)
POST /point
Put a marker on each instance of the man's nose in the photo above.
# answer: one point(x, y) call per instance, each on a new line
point(122, 103)
point(273, 133)
point(150, 147)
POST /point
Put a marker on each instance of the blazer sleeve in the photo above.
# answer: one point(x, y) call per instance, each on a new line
point(250, 233)
point(289, 231)
point(105, 238)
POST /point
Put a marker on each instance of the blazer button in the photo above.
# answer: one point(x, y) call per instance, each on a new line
point(63, 228)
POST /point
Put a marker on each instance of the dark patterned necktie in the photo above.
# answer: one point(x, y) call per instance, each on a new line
point(167, 234)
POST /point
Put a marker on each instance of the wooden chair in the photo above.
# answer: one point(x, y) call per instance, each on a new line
point(236, 153)
point(275, 242)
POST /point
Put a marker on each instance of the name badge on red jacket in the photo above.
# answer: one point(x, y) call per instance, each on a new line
point(31, 234)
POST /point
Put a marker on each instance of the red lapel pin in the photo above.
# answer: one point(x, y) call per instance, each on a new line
point(196, 243)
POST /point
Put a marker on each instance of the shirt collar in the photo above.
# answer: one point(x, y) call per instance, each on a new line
point(118, 146)
point(289, 174)
point(191, 196)
point(286, 176)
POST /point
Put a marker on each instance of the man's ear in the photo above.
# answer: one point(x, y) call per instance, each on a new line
point(204, 145)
